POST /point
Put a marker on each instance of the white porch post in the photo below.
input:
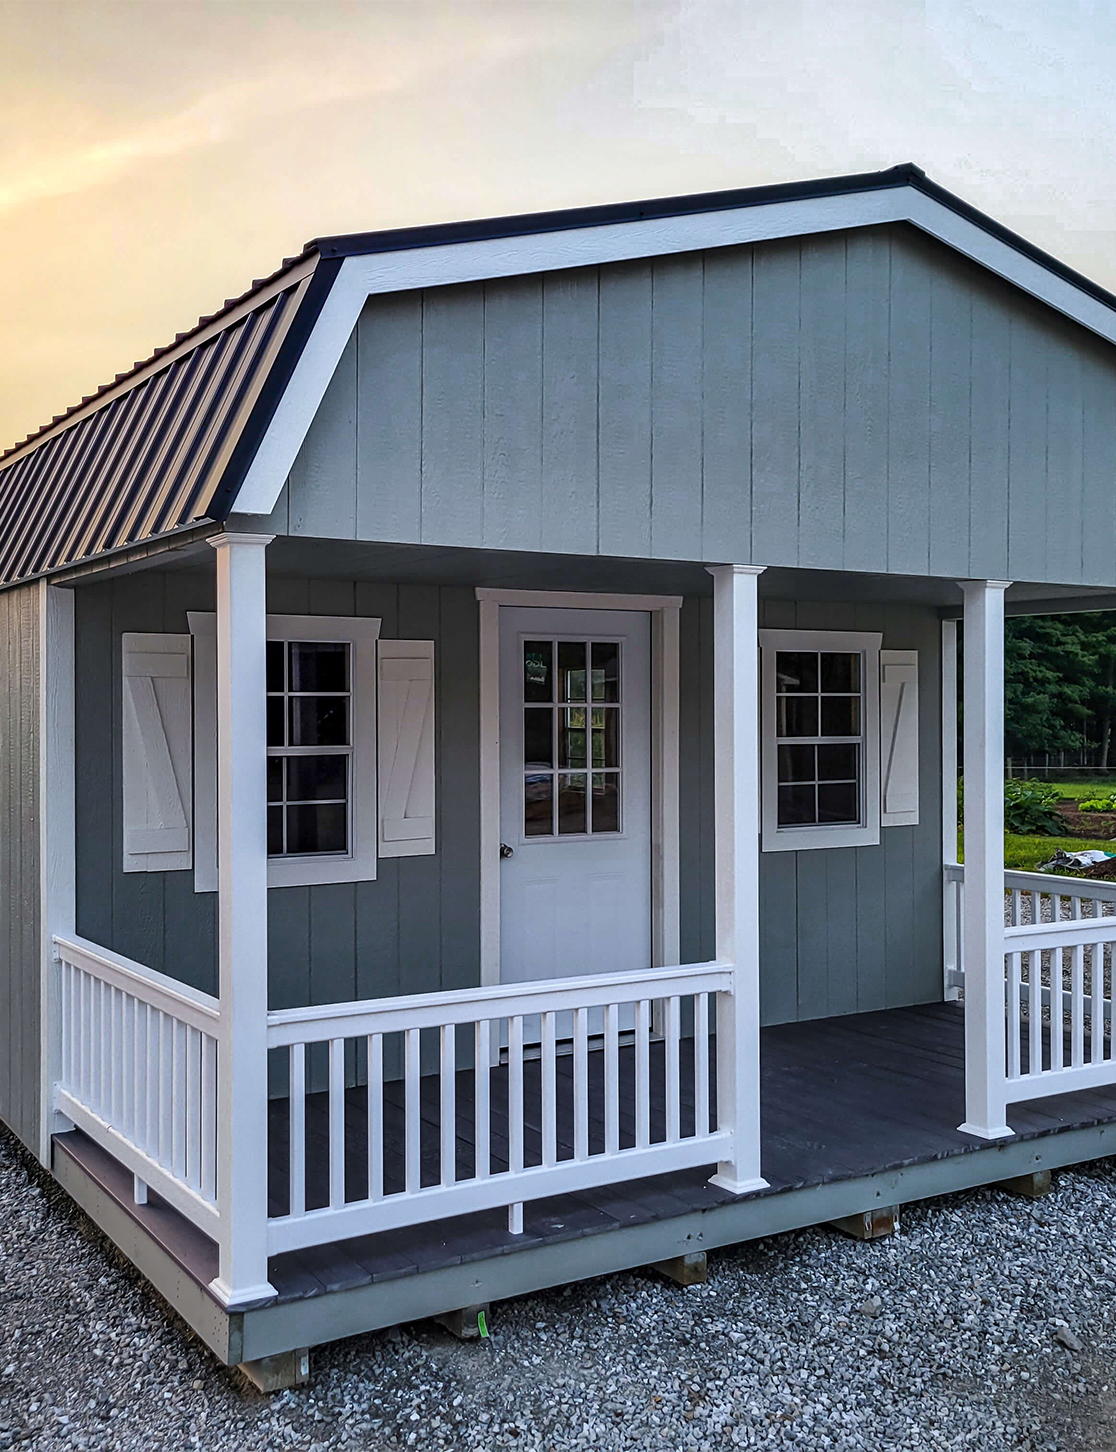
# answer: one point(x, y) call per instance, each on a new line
point(736, 788)
point(242, 917)
point(982, 923)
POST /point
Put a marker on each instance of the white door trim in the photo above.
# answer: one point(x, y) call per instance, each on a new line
point(664, 611)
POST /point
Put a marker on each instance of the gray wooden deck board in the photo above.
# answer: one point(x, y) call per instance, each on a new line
point(843, 1098)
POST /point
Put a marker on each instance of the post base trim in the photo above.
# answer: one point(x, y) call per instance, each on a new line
point(242, 1297)
point(727, 1181)
point(981, 1132)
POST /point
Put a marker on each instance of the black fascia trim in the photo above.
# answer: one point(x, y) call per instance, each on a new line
point(533, 223)
point(224, 496)
point(528, 224)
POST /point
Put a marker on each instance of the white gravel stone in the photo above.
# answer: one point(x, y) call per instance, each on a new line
point(968, 1349)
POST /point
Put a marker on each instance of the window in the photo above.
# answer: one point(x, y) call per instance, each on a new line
point(820, 748)
point(309, 747)
point(571, 738)
point(321, 749)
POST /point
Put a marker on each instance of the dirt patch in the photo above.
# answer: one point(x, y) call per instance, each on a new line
point(1100, 826)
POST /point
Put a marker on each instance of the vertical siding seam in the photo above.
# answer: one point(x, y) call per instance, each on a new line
point(933, 290)
point(483, 431)
point(1010, 432)
point(422, 412)
point(752, 407)
point(655, 265)
point(798, 417)
point(597, 414)
point(701, 413)
point(844, 396)
point(969, 443)
point(887, 395)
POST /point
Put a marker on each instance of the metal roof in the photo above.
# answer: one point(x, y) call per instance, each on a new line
point(149, 453)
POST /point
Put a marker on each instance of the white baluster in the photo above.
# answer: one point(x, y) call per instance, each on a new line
point(208, 1171)
point(581, 1084)
point(673, 1098)
point(336, 1123)
point(1096, 1005)
point(482, 1081)
point(515, 1095)
point(297, 1127)
point(612, 1079)
point(549, 1066)
point(412, 1110)
point(448, 1106)
point(375, 1116)
point(643, 1073)
point(1015, 1015)
point(701, 1064)
point(1034, 1012)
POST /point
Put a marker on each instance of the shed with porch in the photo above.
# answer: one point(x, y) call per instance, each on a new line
point(480, 751)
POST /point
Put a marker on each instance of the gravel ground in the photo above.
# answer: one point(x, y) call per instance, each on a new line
point(952, 1334)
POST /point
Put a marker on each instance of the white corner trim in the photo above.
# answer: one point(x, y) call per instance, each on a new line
point(357, 866)
point(57, 836)
point(664, 764)
point(441, 266)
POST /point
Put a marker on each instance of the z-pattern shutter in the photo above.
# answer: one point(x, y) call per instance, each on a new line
point(405, 731)
point(899, 737)
point(157, 765)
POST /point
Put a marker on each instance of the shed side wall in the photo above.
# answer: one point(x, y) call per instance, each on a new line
point(856, 401)
point(19, 862)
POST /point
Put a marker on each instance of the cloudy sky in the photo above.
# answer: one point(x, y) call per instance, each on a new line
point(156, 155)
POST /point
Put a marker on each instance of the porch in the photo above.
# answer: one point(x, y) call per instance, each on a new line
point(857, 1112)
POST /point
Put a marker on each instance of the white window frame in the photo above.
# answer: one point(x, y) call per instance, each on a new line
point(359, 863)
point(866, 833)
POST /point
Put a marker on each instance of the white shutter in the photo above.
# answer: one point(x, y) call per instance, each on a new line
point(157, 752)
point(405, 730)
point(899, 737)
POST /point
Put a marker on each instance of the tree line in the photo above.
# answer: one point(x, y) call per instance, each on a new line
point(1060, 689)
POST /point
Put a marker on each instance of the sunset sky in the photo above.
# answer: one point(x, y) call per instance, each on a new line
point(156, 155)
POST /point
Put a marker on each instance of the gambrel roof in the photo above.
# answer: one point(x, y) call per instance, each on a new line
point(215, 421)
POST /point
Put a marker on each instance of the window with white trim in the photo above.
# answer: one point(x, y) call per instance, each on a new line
point(820, 739)
point(321, 749)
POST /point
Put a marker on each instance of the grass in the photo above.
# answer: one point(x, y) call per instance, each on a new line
point(1079, 791)
point(1023, 854)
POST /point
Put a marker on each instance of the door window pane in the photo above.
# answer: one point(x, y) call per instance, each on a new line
point(606, 670)
point(538, 743)
point(571, 738)
point(538, 806)
point(606, 801)
point(538, 684)
point(571, 803)
point(606, 737)
point(571, 670)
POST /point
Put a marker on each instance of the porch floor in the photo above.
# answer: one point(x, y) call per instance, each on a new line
point(842, 1099)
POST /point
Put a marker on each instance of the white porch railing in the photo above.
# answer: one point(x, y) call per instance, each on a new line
point(475, 1117)
point(138, 1072)
point(1058, 945)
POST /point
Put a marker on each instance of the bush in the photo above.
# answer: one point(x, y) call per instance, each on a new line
point(1099, 804)
point(1029, 809)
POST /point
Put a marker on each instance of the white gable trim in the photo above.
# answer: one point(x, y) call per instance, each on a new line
point(362, 277)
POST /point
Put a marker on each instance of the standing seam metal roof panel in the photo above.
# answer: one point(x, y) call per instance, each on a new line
point(149, 460)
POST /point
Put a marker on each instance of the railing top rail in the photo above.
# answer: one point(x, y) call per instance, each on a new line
point(499, 1000)
point(954, 872)
point(1063, 934)
point(1051, 882)
point(179, 999)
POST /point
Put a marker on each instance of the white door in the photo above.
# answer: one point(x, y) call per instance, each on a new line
point(575, 792)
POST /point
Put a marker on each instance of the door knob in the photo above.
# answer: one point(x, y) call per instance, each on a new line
point(505, 850)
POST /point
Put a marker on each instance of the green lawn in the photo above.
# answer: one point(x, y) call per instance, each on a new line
point(1100, 786)
point(1023, 854)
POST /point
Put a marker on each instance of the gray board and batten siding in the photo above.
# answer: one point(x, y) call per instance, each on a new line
point(413, 929)
point(19, 862)
point(839, 926)
point(865, 400)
